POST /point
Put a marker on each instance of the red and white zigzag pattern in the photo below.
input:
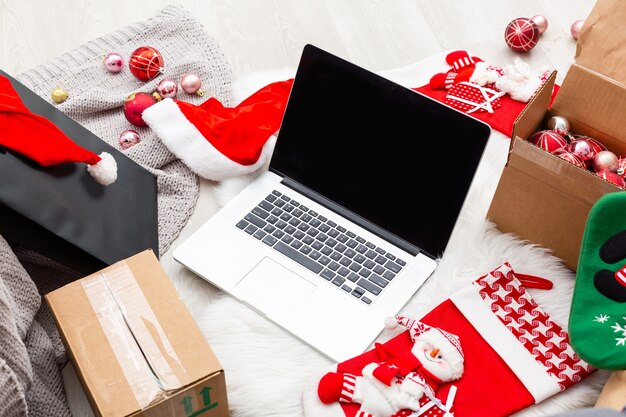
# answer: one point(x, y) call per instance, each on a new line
point(543, 338)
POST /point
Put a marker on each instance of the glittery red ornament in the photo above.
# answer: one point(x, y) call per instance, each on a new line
point(135, 104)
point(570, 157)
point(521, 34)
point(548, 140)
point(612, 177)
point(146, 63)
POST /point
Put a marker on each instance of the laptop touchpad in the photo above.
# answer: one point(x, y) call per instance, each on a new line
point(271, 286)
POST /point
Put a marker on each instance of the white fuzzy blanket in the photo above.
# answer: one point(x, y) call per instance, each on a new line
point(267, 369)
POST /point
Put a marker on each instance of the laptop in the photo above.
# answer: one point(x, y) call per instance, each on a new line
point(363, 190)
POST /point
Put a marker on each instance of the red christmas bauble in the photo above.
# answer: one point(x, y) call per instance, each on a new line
point(621, 166)
point(612, 177)
point(604, 161)
point(134, 106)
point(570, 157)
point(521, 34)
point(582, 148)
point(146, 63)
point(597, 146)
point(548, 140)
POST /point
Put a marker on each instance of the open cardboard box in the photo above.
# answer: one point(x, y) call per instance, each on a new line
point(541, 197)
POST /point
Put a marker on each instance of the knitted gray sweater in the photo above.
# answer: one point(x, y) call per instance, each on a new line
point(30, 350)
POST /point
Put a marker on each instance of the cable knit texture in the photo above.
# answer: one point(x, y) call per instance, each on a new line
point(31, 352)
point(96, 98)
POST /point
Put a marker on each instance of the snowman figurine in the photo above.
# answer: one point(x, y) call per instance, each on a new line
point(399, 383)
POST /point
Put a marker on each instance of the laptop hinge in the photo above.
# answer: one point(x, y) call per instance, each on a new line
point(342, 211)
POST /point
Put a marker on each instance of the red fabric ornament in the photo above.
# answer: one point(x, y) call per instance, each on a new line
point(146, 63)
point(470, 98)
point(521, 34)
point(548, 140)
point(501, 120)
point(570, 157)
point(612, 177)
point(38, 139)
point(134, 106)
point(219, 142)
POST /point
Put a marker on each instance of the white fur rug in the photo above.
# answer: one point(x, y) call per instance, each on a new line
point(267, 369)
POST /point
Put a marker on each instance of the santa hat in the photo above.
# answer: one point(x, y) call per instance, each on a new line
point(219, 142)
point(38, 139)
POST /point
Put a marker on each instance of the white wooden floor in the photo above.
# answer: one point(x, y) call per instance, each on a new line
point(267, 34)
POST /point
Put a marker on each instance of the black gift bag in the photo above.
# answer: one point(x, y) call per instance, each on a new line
point(63, 213)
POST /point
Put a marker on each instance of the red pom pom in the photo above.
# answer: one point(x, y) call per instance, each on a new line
point(329, 388)
point(548, 140)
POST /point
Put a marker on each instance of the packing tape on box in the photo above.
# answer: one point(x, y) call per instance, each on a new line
point(137, 339)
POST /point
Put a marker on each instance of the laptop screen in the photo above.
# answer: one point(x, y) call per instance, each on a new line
point(391, 156)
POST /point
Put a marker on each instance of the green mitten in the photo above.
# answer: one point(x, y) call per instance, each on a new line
point(597, 323)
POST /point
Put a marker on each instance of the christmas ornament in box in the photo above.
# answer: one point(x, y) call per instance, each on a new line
point(547, 200)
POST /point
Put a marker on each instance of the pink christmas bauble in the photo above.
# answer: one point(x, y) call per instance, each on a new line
point(191, 83)
point(576, 27)
point(612, 177)
point(521, 34)
point(134, 106)
point(541, 22)
point(604, 161)
point(146, 63)
point(167, 88)
point(559, 124)
point(548, 140)
point(113, 62)
point(570, 157)
point(582, 148)
point(595, 145)
point(129, 138)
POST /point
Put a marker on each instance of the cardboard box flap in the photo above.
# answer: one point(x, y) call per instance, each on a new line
point(600, 45)
point(149, 345)
point(594, 104)
point(530, 118)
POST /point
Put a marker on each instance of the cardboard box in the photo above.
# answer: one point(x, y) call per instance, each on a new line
point(541, 197)
point(135, 346)
point(63, 213)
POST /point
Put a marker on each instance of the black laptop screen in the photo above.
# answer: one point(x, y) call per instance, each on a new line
point(391, 156)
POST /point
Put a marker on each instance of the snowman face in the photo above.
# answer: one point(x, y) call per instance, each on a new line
point(433, 359)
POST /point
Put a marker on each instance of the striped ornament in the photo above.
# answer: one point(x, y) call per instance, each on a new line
point(620, 275)
point(570, 157)
point(548, 140)
point(521, 35)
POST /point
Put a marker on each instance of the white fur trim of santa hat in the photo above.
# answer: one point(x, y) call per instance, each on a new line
point(185, 141)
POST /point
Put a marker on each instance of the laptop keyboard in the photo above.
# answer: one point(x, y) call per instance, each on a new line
point(351, 263)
